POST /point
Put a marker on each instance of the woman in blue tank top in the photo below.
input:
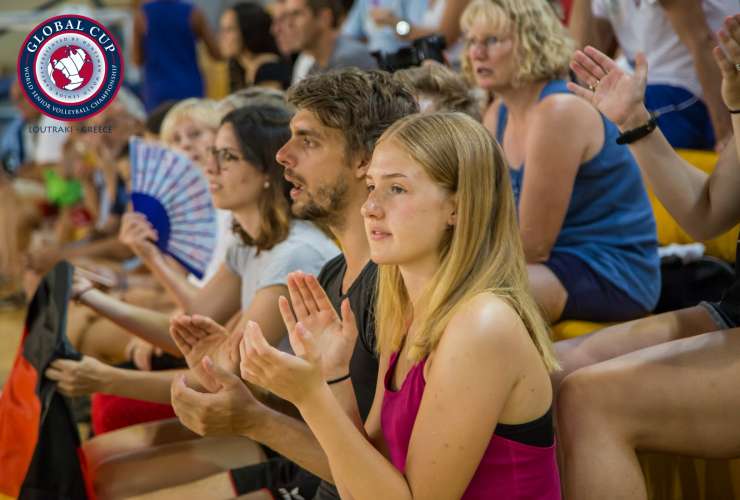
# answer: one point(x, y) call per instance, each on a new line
point(166, 32)
point(585, 219)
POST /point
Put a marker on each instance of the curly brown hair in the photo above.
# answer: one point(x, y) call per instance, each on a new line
point(448, 91)
point(360, 104)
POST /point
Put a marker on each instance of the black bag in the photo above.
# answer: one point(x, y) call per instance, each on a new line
point(687, 284)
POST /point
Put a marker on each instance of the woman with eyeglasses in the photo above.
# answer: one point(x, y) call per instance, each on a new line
point(245, 179)
point(584, 216)
point(189, 128)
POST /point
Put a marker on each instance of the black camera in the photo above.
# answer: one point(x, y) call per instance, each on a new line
point(422, 49)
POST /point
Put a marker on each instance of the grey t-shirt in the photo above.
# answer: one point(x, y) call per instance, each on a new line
point(347, 53)
point(305, 249)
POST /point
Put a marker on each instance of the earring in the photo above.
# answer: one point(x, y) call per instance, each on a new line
point(266, 184)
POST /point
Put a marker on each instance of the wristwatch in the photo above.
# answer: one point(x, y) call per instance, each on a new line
point(403, 28)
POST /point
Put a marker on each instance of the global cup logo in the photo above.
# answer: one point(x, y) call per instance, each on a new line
point(70, 67)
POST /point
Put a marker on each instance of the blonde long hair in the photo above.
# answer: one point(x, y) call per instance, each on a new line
point(481, 253)
point(543, 46)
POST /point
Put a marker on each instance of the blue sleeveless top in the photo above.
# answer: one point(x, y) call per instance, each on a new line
point(170, 64)
point(609, 223)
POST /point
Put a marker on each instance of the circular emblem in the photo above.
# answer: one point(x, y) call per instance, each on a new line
point(70, 67)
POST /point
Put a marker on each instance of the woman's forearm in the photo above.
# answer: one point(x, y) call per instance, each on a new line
point(359, 469)
point(709, 78)
point(687, 192)
point(344, 392)
point(153, 386)
point(177, 285)
point(104, 247)
point(151, 326)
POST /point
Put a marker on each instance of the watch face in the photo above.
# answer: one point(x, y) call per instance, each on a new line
point(403, 28)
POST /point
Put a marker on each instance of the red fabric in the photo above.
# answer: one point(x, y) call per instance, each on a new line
point(112, 412)
point(20, 415)
point(566, 6)
point(89, 486)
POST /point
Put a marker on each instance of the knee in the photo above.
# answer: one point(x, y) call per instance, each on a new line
point(106, 483)
point(580, 403)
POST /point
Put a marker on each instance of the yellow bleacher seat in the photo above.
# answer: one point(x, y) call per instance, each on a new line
point(669, 232)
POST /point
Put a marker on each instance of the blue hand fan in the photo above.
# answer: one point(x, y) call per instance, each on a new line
point(173, 194)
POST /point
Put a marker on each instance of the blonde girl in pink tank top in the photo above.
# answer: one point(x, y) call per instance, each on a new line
point(462, 405)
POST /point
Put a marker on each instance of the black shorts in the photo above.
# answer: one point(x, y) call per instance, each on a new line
point(591, 297)
point(278, 475)
point(726, 312)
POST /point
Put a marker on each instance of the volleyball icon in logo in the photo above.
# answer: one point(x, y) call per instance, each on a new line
point(70, 67)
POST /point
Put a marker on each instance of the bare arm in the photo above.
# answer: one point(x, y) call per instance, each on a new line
point(138, 42)
point(690, 24)
point(446, 445)
point(587, 29)
point(201, 28)
point(552, 162)
point(106, 247)
point(705, 206)
point(218, 299)
point(151, 326)
point(43, 259)
point(234, 410)
point(84, 377)
point(173, 279)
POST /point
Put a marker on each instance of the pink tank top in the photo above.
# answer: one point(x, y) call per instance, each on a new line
point(509, 470)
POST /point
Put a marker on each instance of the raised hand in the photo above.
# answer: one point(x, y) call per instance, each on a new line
point(229, 409)
point(335, 336)
point(728, 60)
point(199, 336)
point(138, 234)
point(617, 94)
point(291, 377)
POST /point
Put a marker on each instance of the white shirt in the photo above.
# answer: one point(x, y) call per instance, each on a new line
point(432, 19)
point(302, 65)
point(225, 238)
point(49, 142)
point(642, 26)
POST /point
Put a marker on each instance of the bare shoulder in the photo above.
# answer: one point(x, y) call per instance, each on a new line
point(566, 122)
point(564, 109)
point(486, 323)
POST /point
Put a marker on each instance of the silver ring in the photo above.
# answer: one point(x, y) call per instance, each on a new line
point(737, 67)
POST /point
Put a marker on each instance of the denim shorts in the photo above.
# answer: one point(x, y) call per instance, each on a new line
point(591, 297)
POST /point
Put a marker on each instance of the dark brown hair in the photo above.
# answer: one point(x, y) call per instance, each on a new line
point(261, 130)
point(335, 7)
point(360, 104)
